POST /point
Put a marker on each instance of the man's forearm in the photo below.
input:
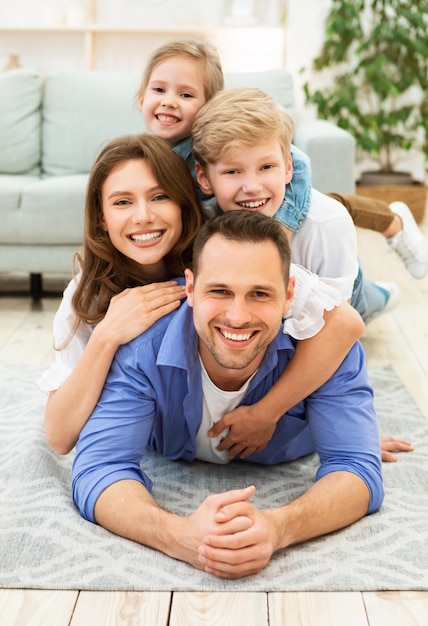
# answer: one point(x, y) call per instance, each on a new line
point(333, 502)
point(127, 509)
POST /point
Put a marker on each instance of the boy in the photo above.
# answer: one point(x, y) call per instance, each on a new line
point(242, 145)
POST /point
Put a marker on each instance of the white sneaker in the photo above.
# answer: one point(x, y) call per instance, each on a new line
point(410, 244)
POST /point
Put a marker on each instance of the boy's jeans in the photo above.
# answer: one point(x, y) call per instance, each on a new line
point(368, 298)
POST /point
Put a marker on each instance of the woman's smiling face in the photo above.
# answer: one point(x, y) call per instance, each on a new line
point(143, 223)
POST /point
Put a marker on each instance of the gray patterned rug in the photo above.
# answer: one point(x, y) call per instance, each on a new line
point(44, 543)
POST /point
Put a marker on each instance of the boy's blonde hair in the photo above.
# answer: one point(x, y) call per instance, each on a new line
point(202, 51)
point(239, 118)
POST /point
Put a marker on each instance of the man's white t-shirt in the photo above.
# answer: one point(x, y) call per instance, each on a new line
point(215, 403)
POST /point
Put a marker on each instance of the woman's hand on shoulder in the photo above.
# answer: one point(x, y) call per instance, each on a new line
point(133, 311)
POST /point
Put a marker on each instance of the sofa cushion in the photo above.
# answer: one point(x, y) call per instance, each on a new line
point(37, 259)
point(82, 111)
point(20, 114)
point(51, 212)
point(11, 188)
point(277, 83)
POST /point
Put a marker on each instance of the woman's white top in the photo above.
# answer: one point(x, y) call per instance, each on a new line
point(312, 296)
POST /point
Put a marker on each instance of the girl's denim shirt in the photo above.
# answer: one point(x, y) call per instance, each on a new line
point(297, 198)
point(184, 149)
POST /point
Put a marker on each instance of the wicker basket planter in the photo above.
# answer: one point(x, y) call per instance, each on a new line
point(414, 195)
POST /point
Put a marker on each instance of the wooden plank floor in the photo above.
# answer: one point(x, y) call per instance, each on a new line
point(399, 338)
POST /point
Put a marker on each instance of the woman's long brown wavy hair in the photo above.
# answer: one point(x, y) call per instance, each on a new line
point(104, 271)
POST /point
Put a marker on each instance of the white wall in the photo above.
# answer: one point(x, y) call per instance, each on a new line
point(305, 34)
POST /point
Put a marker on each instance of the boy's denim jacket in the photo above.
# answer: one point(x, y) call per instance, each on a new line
point(298, 193)
point(297, 198)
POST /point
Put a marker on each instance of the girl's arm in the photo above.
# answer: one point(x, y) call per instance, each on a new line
point(313, 363)
point(130, 313)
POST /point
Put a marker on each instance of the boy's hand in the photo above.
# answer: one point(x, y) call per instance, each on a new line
point(250, 431)
point(388, 445)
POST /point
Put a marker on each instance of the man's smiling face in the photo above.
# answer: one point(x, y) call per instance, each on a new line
point(239, 298)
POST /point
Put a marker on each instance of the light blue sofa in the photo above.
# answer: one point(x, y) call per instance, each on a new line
point(51, 130)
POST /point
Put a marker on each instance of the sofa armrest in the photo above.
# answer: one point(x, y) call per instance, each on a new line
point(332, 153)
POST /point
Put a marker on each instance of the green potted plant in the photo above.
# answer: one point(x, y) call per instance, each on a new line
point(374, 70)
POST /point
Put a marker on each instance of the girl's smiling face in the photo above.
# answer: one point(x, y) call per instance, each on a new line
point(143, 223)
point(174, 95)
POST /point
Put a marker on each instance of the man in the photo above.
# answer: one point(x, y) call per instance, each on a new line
point(168, 386)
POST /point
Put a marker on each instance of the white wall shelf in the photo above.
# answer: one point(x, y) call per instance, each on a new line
point(96, 45)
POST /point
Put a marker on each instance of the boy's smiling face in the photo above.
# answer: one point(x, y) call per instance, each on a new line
point(174, 95)
point(252, 178)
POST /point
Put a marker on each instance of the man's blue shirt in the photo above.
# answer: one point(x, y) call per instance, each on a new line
point(153, 399)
